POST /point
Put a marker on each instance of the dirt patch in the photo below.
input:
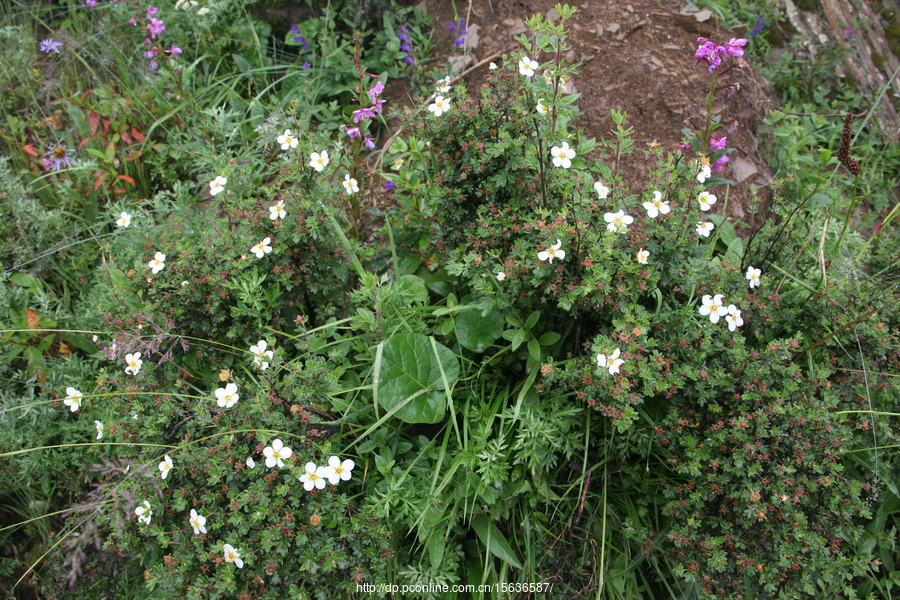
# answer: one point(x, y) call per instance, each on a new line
point(636, 57)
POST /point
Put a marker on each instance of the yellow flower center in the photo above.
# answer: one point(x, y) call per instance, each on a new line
point(313, 476)
point(276, 454)
point(59, 152)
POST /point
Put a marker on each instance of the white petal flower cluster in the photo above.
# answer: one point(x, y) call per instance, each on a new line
point(134, 363)
point(351, 186)
point(232, 556)
point(753, 277)
point(439, 106)
point(549, 254)
point(656, 206)
point(618, 222)
point(336, 471)
point(165, 466)
point(124, 220)
point(144, 513)
point(704, 228)
point(601, 190)
point(706, 200)
point(319, 160)
point(73, 399)
point(158, 263)
point(277, 211)
point(562, 155)
point(527, 67)
point(642, 256)
point(198, 522)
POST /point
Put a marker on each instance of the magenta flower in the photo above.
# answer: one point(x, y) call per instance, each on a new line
point(353, 132)
point(362, 114)
point(151, 11)
point(174, 51)
point(734, 47)
point(376, 91)
point(155, 26)
point(49, 46)
point(720, 163)
point(150, 54)
point(709, 52)
point(718, 144)
point(369, 143)
point(91, 3)
point(154, 65)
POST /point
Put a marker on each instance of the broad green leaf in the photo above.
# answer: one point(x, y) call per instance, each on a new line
point(410, 373)
point(477, 333)
point(411, 288)
point(532, 319)
point(549, 338)
point(494, 540)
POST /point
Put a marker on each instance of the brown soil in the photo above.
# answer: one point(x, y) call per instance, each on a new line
point(637, 57)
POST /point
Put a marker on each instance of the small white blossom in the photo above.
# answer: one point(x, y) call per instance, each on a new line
point(277, 211)
point(226, 397)
point(99, 427)
point(733, 318)
point(144, 513)
point(753, 276)
point(73, 399)
point(562, 155)
point(134, 363)
point(315, 477)
point(439, 106)
point(198, 522)
point(262, 248)
point(287, 140)
point(217, 185)
point(261, 354)
point(704, 174)
point(251, 463)
point(340, 471)
point(158, 263)
point(542, 108)
point(704, 228)
point(714, 307)
point(165, 466)
point(611, 362)
point(124, 220)
point(319, 160)
point(351, 186)
point(492, 66)
point(276, 454)
point(442, 86)
point(501, 276)
point(232, 556)
point(642, 256)
point(601, 190)
point(527, 67)
point(706, 200)
point(657, 206)
point(618, 222)
point(203, 10)
point(552, 252)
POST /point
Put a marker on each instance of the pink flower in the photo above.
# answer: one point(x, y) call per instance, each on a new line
point(733, 47)
point(155, 26)
point(718, 144)
point(720, 163)
point(710, 52)
point(376, 90)
point(369, 143)
point(174, 51)
point(362, 114)
point(353, 132)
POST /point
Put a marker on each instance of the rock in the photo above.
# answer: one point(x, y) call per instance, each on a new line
point(629, 8)
point(552, 15)
point(741, 169)
point(614, 28)
point(672, 47)
point(423, 7)
point(517, 27)
point(703, 16)
point(689, 8)
point(472, 37)
point(458, 63)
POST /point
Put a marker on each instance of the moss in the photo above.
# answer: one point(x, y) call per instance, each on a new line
point(879, 61)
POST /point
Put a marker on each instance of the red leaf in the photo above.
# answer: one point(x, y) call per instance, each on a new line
point(126, 178)
point(33, 320)
point(29, 149)
point(133, 155)
point(137, 135)
point(125, 137)
point(93, 121)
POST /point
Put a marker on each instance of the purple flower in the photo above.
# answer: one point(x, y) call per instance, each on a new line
point(758, 27)
point(133, 21)
point(376, 91)
point(402, 37)
point(720, 162)
point(848, 32)
point(368, 142)
point(710, 52)
point(49, 46)
point(56, 156)
point(353, 132)
point(151, 11)
point(306, 65)
point(734, 47)
point(153, 65)
point(389, 185)
point(174, 51)
point(405, 47)
point(91, 3)
point(155, 26)
point(409, 60)
point(362, 114)
point(718, 144)
point(150, 54)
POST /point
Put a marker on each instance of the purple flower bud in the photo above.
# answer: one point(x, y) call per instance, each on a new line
point(405, 48)
point(369, 143)
point(389, 185)
point(409, 60)
point(306, 65)
point(402, 37)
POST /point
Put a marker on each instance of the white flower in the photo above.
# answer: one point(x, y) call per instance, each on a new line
point(217, 185)
point(144, 513)
point(260, 354)
point(73, 399)
point(198, 522)
point(251, 463)
point(287, 140)
point(562, 155)
point(439, 106)
point(340, 471)
point(542, 108)
point(527, 67)
point(262, 248)
point(232, 556)
point(442, 85)
point(492, 66)
point(350, 185)
point(611, 362)
point(158, 263)
point(704, 228)
point(753, 276)
point(277, 211)
point(501, 276)
point(706, 200)
point(124, 220)
point(184, 283)
point(99, 427)
point(657, 206)
point(203, 10)
point(618, 221)
point(319, 160)
point(134, 363)
point(95, 338)
point(165, 466)
point(733, 318)
point(642, 256)
point(552, 252)
point(227, 396)
point(704, 174)
point(315, 477)
point(713, 307)
point(601, 190)
point(276, 453)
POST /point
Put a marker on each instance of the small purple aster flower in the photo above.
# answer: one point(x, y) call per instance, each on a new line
point(409, 60)
point(306, 65)
point(58, 155)
point(49, 46)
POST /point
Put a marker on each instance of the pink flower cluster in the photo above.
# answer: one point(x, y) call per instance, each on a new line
point(712, 52)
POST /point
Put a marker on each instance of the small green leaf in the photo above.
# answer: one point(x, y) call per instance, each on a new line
point(532, 319)
point(549, 338)
point(494, 540)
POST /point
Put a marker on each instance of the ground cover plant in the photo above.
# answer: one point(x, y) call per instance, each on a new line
point(269, 350)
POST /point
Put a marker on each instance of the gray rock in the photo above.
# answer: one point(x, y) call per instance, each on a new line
point(704, 15)
point(472, 37)
point(614, 28)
